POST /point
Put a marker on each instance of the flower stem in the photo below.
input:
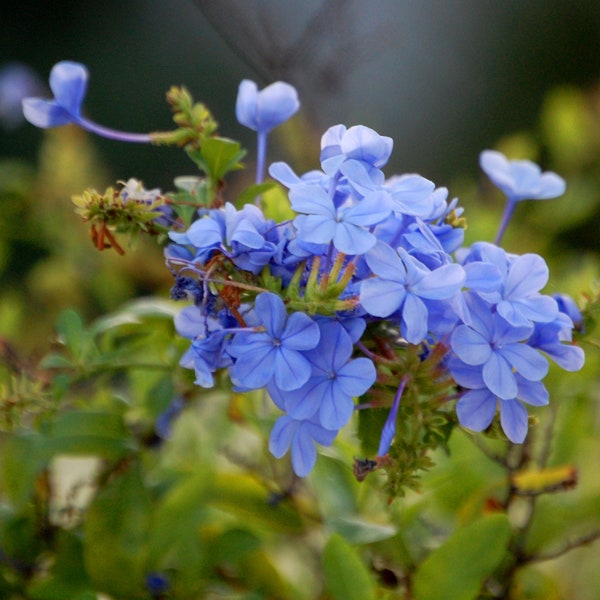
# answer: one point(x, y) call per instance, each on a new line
point(113, 134)
point(508, 212)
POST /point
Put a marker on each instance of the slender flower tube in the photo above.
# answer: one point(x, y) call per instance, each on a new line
point(389, 429)
point(68, 82)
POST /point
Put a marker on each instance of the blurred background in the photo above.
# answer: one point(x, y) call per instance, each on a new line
point(444, 80)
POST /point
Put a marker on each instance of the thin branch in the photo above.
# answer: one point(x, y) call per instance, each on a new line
point(584, 540)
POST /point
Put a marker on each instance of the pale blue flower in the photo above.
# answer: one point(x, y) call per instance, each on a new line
point(299, 436)
point(263, 110)
point(275, 353)
point(402, 284)
point(521, 179)
point(68, 82)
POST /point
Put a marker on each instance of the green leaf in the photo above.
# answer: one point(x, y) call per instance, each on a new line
point(245, 498)
point(346, 577)
point(67, 577)
point(221, 155)
point(174, 540)
point(276, 204)
point(133, 313)
point(250, 193)
point(88, 433)
point(457, 569)
point(56, 361)
point(23, 458)
point(115, 531)
point(69, 327)
point(358, 531)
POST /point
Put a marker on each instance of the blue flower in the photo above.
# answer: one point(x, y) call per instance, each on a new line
point(157, 584)
point(300, 436)
point(275, 352)
point(477, 407)
point(554, 339)
point(569, 307)
point(358, 143)
point(516, 294)
point(402, 283)
point(336, 379)
point(17, 81)
point(345, 226)
point(520, 179)
point(498, 349)
point(389, 429)
point(264, 110)
point(68, 82)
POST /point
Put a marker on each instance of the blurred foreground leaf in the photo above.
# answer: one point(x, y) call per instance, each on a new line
point(346, 577)
point(457, 569)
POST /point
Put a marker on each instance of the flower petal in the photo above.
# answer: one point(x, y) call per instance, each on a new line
point(476, 409)
point(68, 82)
point(514, 420)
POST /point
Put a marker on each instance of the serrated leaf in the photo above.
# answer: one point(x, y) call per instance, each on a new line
point(457, 569)
point(346, 577)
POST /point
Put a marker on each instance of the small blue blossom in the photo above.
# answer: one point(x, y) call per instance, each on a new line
point(389, 429)
point(554, 339)
point(263, 110)
point(345, 227)
point(164, 422)
point(358, 143)
point(477, 407)
point(520, 179)
point(402, 283)
point(157, 584)
point(335, 380)
point(300, 437)
point(569, 307)
point(68, 82)
point(274, 353)
point(498, 349)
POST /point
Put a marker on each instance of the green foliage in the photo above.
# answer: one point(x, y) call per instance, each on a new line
point(85, 374)
point(346, 577)
point(464, 561)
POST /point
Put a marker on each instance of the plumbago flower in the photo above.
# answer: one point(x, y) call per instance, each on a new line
point(363, 299)
point(519, 180)
point(68, 82)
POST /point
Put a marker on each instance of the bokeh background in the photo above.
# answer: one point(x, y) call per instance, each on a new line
point(444, 79)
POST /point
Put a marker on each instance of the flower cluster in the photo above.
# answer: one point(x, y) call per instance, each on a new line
point(325, 308)
point(286, 306)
